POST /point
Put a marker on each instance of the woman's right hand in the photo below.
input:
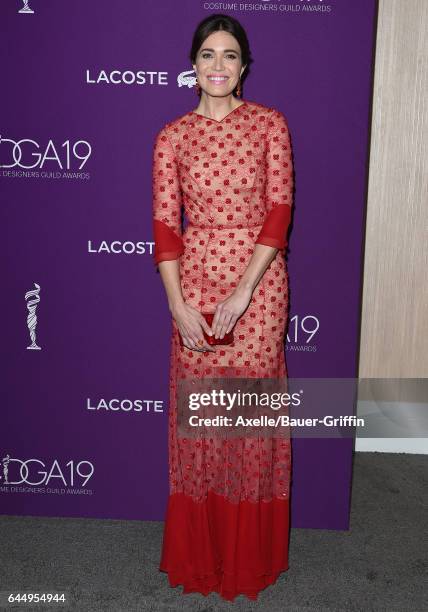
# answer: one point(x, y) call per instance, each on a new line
point(191, 324)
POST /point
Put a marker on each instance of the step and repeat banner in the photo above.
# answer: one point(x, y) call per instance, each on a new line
point(86, 325)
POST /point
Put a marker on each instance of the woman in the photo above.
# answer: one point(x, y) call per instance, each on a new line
point(229, 163)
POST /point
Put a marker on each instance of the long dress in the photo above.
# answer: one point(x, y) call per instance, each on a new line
point(227, 518)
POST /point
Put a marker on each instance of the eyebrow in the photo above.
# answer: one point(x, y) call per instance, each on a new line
point(226, 50)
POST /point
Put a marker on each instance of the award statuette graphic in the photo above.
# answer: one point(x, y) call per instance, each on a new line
point(5, 462)
point(31, 318)
point(26, 8)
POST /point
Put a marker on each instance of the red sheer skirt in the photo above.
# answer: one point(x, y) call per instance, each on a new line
point(231, 549)
point(227, 519)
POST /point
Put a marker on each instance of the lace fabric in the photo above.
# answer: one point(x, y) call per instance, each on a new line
point(253, 468)
point(234, 180)
point(262, 180)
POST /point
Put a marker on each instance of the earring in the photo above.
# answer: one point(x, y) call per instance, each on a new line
point(238, 89)
point(198, 87)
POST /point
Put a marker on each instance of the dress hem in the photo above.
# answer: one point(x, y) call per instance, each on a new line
point(218, 546)
point(212, 583)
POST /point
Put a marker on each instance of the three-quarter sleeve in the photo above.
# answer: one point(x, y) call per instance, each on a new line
point(279, 183)
point(166, 201)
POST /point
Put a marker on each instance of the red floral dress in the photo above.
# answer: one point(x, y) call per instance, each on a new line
point(227, 520)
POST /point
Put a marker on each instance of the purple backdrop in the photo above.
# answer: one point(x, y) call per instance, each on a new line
point(85, 89)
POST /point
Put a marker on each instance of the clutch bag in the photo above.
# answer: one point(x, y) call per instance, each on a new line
point(211, 340)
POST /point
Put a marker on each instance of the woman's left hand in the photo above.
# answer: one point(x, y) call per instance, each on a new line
point(229, 311)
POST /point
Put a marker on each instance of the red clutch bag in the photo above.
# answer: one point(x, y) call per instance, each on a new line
point(211, 340)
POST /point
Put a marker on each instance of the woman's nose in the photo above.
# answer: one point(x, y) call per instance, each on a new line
point(218, 64)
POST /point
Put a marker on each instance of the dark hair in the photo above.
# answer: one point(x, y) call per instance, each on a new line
point(217, 22)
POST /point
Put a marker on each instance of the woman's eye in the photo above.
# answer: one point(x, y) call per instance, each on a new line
point(229, 55)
